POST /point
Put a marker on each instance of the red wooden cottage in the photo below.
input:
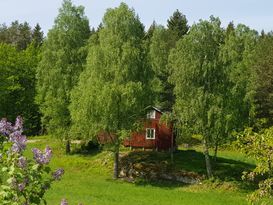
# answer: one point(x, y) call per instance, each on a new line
point(155, 134)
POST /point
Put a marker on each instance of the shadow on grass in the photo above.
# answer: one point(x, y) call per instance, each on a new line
point(225, 170)
point(145, 182)
point(86, 150)
point(160, 183)
point(88, 153)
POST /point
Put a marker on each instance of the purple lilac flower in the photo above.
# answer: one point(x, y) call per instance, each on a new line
point(58, 173)
point(18, 140)
point(22, 162)
point(5, 127)
point(64, 202)
point(18, 124)
point(42, 158)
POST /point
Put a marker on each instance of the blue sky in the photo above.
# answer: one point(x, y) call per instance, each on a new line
point(257, 14)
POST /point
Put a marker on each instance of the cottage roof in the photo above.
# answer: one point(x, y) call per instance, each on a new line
point(155, 108)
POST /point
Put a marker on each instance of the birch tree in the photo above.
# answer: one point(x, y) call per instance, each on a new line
point(198, 77)
point(62, 61)
point(114, 89)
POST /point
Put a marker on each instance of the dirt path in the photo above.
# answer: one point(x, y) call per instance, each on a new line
point(33, 141)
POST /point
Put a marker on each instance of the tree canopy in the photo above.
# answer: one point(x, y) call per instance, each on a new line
point(17, 85)
point(262, 82)
point(113, 90)
point(198, 77)
point(177, 26)
point(17, 34)
point(62, 60)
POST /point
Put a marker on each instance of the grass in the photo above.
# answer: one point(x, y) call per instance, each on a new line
point(88, 180)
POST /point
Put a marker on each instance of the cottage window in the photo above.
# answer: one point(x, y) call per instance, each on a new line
point(151, 114)
point(150, 133)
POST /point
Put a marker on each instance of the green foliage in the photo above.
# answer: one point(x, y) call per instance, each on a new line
point(199, 80)
point(262, 81)
point(236, 54)
point(37, 35)
point(62, 60)
point(177, 26)
point(160, 42)
point(17, 85)
point(9, 57)
point(158, 56)
point(198, 76)
point(150, 31)
point(17, 34)
point(113, 89)
point(259, 146)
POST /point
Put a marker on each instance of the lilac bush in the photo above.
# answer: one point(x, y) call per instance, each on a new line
point(25, 181)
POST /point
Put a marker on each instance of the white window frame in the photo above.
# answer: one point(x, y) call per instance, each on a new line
point(147, 131)
point(151, 114)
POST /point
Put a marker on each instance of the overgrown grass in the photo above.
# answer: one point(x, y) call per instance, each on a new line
point(88, 180)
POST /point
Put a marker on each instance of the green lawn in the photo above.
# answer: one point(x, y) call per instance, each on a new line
point(88, 180)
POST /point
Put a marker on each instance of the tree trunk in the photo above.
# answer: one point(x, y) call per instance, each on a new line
point(207, 158)
point(67, 147)
point(117, 143)
point(216, 148)
point(215, 151)
point(116, 164)
point(172, 147)
point(172, 156)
